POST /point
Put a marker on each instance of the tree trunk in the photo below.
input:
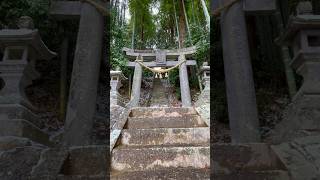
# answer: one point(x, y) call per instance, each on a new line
point(133, 30)
point(186, 18)
point(142, 34)
point(176, 22)
point(182, 24)
point(206, 13)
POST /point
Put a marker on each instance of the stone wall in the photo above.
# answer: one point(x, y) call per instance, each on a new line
point(203, 105)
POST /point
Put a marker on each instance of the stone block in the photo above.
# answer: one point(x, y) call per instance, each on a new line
point(233, 158)
point(11, 142)
point(65, 9)
point(50, 163)
point(18, 163)
point(16, 111)
point(187, 121)
point(173, 173)
point(160, 112)
point(23, 128)
point(86, 160)
point(138, 159)
point(300, 118)
point(301, 157)
point(165, 136)
point(265, 175)
point(260, 6)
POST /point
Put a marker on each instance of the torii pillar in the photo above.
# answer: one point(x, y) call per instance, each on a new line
point(241, 98)
point(86, 67)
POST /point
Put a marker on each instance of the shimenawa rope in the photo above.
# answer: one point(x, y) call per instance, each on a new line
point(161, 71)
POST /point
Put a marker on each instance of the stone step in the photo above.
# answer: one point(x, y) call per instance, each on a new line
point(66, 177)
point(79, 177)
point(232, 158)
point(150, 158)
point(165, 136)
point(170, 173)
point(263, 175)
point(187, 121)
point(161, 112)
point(86, 161)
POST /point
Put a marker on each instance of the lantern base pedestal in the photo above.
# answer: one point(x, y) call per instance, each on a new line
point(17, 120)
point(301, 118)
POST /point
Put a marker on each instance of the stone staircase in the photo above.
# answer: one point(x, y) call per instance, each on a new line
point(162, 143)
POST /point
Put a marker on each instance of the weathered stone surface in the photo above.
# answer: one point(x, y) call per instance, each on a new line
point(242, 108)
point(79, 177)
point(265, 175)
point(16, 111)
point(247, 161)
point(86, 160)
point(301, 118)
point(128, 159)
point(304, 8)
point(17, 163)
point(25, 22)
point(260, 6)
point(159, 97)
point(115, 83)
point(119, 116)
point(84, 81)
point(165, 136)
point(186, 121)
point(234, 158)
point(253, 7)
point(50, 163)
point(161, 57)
point(66, 9)
point(184, 84)
point(172, 173)
point(156, 152)
point(23, 128)
point(301, 157)
point(115, 114)
point(11, 142)
point(202, 105)
point(136, 85)
point(161, 112)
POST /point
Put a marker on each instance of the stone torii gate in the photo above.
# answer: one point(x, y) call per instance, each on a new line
point(86, 66)
point(161, 58)
point(242, 108)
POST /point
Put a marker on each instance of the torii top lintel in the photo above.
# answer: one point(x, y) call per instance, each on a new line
point(150, 55)
point(72, 9)
point(250, 6)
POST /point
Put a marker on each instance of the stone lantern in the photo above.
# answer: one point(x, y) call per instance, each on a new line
point(303, 35)
point(21, 48)
point(202, 105)
point(115, 83)
point(302, 116)
point(205, 70)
